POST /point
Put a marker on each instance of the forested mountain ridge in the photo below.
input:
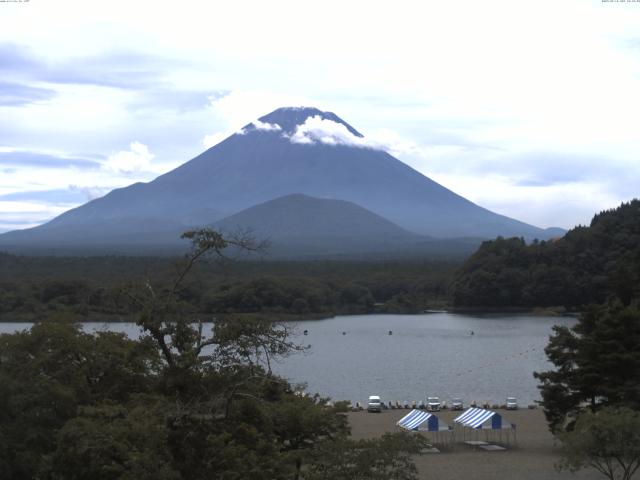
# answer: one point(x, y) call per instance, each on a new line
point(586, 266)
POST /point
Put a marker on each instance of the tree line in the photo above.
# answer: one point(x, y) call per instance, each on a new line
point(93, 288)
point(588, 265)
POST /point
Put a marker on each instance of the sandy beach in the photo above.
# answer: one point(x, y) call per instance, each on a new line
point(532, 457)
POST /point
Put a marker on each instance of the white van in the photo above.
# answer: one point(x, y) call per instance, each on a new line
point(374, 404)
point(433, 404)
point(512, 403)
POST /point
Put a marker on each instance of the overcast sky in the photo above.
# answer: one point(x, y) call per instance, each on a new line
point(528, 108)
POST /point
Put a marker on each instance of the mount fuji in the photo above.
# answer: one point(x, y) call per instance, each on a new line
point(292, 152)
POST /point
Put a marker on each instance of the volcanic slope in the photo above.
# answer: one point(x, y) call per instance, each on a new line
point(289, 151)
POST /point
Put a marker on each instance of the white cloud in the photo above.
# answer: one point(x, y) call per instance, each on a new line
point(317, 129)
point(233, 111)
point(92, 183)
point(268, 127)
point(137, 159)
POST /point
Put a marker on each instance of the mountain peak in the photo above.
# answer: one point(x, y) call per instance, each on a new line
point(290, 118)
point(303, 150)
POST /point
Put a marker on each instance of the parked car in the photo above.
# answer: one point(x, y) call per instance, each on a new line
point(374, 404)
point(512, 403)
point(456, 403)
point(433, 404)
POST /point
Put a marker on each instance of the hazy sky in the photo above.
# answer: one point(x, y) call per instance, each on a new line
point(529, 108)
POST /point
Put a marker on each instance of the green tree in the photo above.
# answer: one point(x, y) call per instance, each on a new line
point(389, 457)
point(47, 373)
point(232, 413)
point(608, 440)
point(115, 441)
point(301, 422)
point(597, 364)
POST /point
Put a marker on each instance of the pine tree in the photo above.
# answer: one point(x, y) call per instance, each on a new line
point(597, 364)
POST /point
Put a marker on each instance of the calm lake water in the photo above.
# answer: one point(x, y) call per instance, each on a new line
point(432, 354)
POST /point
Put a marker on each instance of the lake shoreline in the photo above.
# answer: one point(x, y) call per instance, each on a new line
point(535, 311)
point(288, 317)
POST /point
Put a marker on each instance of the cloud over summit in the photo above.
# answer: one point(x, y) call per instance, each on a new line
point(316, 129)
point(265, 126)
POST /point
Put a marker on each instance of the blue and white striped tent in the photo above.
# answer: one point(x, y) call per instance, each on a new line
point(422, 421)
point(481, 418)
point(485, 420)
point(418, 420)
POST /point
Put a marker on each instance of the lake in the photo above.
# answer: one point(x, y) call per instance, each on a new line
point(431, 354)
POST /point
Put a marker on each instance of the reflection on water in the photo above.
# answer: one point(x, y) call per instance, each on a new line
point(353, 357)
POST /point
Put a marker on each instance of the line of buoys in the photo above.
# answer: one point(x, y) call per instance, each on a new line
point(492, 364)
point(390, 332)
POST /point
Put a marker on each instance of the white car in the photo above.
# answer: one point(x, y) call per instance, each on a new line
point(456, 403)
point(433, 404)
point(374, 404)
point(512, 403)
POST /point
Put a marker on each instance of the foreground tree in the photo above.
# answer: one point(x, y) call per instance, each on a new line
point(48, 373)
point(128, 442)
point(389, 457)
point(180, 403)
point(608, 440)
point(597, 364)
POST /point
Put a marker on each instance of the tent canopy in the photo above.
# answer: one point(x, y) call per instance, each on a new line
point(481, 418)
point(420, 420)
